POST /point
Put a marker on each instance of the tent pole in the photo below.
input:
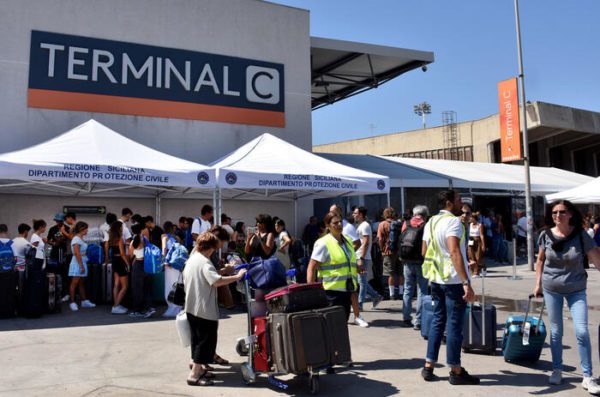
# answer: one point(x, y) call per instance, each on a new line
point(389, 201)
point(402, 198)
point(295, 216)
point(219, 206)
point(157, 211)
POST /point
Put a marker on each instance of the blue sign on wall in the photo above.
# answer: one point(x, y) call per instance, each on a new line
point(80, 73)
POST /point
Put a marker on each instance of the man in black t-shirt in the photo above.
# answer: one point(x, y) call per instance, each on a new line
point(58, 243)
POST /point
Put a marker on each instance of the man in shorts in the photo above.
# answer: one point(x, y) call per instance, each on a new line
point(392, 267)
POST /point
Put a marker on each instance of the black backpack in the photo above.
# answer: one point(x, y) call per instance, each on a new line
point(394, 236)
point(411, 241)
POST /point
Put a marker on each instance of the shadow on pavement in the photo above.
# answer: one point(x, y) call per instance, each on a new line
point(389, 363)
point(511, 378)
point(330, 385)
point(100, 315)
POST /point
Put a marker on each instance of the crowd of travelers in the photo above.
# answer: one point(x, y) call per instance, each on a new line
point(397, 257)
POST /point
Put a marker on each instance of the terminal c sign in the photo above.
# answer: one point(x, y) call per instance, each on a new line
point(93, 75)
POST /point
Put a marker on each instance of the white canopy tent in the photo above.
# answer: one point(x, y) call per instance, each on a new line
point(94, 160)
point(269, 168)
point(474, 175)
point(588, 193)
point(428, 173)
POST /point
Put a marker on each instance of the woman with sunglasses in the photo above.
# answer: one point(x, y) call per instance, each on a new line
point(334, 258)
point(560, 275)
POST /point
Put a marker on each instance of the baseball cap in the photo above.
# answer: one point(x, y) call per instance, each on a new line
point(59, 217)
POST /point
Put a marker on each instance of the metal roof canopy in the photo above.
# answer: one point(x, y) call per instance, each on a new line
point(341, 69)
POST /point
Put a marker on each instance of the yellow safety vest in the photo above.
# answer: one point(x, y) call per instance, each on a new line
point(437, 264)
point(339, 268)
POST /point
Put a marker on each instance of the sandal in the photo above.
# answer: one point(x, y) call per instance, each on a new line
point(206, 367)
point(220, 360)
point(201, 381)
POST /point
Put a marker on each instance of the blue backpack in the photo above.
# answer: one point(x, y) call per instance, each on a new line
point(177, 256)
point(95, 254)
point(153, 259)
point(7, 257)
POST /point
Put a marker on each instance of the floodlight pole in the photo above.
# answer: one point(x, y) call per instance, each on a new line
point(528, 209)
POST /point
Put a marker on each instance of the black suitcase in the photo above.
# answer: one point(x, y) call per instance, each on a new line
point(34, 293)
point(93, 283)
point(8, 293)
point(479, 330)
point(338, 338)
point(298, 342)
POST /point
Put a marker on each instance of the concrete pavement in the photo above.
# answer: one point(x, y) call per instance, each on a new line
point(94, 353)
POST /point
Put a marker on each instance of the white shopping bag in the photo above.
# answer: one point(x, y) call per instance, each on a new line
point(183, 329)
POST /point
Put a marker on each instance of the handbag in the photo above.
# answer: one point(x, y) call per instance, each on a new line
point(177, 294)
point(183, 329)
point(266, 273)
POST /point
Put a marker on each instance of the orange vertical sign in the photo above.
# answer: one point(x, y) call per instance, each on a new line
point(510, 133)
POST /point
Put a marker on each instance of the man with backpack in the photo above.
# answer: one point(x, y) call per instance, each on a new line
point(202, 224)
point(7, 255)
point(411, 241)
point(388, 235)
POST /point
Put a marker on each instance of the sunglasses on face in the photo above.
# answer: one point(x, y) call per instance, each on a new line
point(559, 212)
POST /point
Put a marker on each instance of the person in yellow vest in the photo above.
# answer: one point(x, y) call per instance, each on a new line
point(333, 262)
point(446, 267)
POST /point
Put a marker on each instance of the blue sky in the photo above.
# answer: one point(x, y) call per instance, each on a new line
point(474, 44)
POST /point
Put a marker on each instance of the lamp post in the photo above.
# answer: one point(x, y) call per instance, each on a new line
point(528, 209)
point(422, 109)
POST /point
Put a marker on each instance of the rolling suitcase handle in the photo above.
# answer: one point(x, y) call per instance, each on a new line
point(482, 315)
point(531, 296)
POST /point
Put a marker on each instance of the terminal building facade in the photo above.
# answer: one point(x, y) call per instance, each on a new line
point(195, 79)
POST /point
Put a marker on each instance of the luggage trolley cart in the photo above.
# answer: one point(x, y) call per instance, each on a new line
point(251, 345)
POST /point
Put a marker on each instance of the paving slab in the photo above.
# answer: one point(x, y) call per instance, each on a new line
point(94, 353)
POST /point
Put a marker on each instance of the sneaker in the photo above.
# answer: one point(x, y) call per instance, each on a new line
point(360, 322)
point(118, 310)
point(427, 374)
point(170, 312)
point(417, 327)
point(150, 312)
point(406, 323)
point(590, 384)
point(463, 378)
point(65, 298)
point(73, 306)
point(556, 377)
point(87, 304)
point(377, 300)
point(136, 314)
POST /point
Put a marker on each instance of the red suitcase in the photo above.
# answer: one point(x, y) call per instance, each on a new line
point(261, 354)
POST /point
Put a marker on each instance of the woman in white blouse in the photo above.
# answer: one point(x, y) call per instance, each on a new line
point(201, 281)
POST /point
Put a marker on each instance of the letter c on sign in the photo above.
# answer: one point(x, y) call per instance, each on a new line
point(255, 89)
